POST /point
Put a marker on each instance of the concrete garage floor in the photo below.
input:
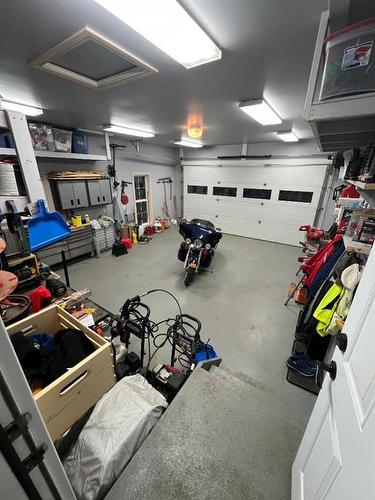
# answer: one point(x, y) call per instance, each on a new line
point(240, 304)
point(241, 309)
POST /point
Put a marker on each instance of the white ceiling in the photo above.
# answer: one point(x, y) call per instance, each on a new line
point(267, 49)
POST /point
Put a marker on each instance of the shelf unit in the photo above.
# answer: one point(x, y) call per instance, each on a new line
point(356, 246)
point(341, 123)
point(27, 158)
point(366, 186)
point(57, 155)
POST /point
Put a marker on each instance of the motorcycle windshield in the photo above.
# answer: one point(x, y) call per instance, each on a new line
point(197, 231)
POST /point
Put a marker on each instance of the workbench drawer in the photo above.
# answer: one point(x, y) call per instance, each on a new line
point(68, 397)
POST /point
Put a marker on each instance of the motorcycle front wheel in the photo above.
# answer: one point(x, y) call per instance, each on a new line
point(189, 276)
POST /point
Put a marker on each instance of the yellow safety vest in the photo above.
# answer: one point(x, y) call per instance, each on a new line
point(327, 307)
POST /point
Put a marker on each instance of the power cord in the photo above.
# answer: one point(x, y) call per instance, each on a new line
point(165, 291)
point(181, 327)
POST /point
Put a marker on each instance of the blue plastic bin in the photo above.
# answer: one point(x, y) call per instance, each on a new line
point(80, 143)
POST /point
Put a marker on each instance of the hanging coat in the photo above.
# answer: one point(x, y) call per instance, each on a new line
point(350, 278)
point(325, 270)
point(313, 264)
point(326, 308)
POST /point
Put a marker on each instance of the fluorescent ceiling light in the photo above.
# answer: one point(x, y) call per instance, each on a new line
point(22, 108)
point(168, 26)
point(260, 111)
point(128, 131)
point(288, 136)
point(188, 144)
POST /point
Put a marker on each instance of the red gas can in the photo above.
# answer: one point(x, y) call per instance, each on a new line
point(127, 242)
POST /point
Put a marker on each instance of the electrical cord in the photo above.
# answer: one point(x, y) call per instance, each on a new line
point(165, 291)
point(177, 328)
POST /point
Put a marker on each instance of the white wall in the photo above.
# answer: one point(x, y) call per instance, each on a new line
point(127, 164)
point(161, 161)
point(158, 161)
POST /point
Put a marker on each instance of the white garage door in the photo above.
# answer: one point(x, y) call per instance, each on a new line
point(263, 202)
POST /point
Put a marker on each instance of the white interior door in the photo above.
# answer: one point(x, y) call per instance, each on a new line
point(336, 458)
point(14, 387)
point(266, 202)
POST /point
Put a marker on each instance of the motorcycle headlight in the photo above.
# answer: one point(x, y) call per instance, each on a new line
point(198, 244)
point(188, 241)
point(208, 246)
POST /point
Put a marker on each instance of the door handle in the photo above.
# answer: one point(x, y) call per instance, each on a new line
point(103, 198)
point(72, 202)
point(331, 368)
point(341, 341)
point(78, 201)
point(99, 199)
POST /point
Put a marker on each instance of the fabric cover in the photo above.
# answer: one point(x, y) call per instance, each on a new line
point(117, 427)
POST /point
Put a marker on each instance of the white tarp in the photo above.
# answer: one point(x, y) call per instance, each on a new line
point(117, 427)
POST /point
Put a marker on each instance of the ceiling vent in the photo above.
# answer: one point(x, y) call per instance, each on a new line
point(89, 58)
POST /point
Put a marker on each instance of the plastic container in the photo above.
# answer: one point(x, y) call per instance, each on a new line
point(80, 143)
point(41, 136)
point(350, 61)
point(76, 220)
point(7, 141)
point(63, 140)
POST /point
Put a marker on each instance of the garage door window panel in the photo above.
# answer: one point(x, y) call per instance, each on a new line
point(197, 189)
point(258, 194)
point(296, 196)
point(224, 191)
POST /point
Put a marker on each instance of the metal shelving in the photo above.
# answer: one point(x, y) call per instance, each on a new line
point(57, 155)
point(27, 158)
point(356, 246)
point(341, 123)
point(363, 185)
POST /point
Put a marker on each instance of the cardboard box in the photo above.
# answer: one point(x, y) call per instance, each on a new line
point(126, 231)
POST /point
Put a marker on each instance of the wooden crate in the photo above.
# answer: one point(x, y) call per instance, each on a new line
point(66, 399)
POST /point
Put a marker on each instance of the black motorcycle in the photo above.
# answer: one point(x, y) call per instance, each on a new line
point(200, 240)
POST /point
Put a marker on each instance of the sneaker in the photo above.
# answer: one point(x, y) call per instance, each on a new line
point(301, 364)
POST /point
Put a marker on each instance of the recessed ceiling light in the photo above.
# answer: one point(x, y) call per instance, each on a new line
point(168, 26)
point(128, 131)
point(195, 131)
point(188, 144)
point(260, 111)
point(288, 136)
point(22, 108)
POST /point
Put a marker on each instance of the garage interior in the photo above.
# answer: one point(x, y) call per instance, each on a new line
point(187, 217)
